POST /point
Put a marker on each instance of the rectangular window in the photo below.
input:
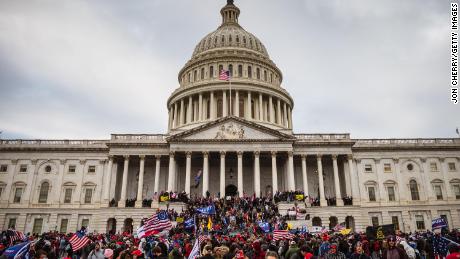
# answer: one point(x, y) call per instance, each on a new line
point(438, 192)
point(452, 166)
point(91, 169)
point(1, 190)
point(387, 168)
point(433, 167)
point(375, 221)
point(88, 195)
point(368, 168)
point(68, 195)
point(63, 228)
point(456, 188)
point(211, 72)
point(395, 222)
point(391, 193)
point(371, 191)
point(419, 222)
point(23, 168)
point(38, 223)
point(72, 168)
point(17, 195)
point(85, 223)
point(3, 168)
point(12, 223)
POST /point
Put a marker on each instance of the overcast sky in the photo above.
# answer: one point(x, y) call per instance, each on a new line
point(85, 69)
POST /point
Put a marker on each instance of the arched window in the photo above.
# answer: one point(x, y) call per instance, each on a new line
point(244, 40)
point(414, 190)
point(249, 71)
point(258, 73)
point(265, 75)
point(240, 70)
point(44, 189)
point(202, 73)
point(230, 69)
point(189, 79)
point(316, 222)
point(223, 39)
point(195, 78)
point(211, 71)
point(271, 78)
point(237, 39)
point(230, 38)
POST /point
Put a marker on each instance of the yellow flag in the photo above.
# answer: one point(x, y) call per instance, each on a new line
point(345, 231)
point(289, 226)
point(209, 223)
point(299, 197)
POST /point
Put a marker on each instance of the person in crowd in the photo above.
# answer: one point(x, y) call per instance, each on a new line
point(393, 251)
point(334, 253)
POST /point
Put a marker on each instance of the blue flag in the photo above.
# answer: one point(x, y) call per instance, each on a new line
point(19, 251)
point(189, 223)
point(265, 226)
point(209, 210)
point(438, 223)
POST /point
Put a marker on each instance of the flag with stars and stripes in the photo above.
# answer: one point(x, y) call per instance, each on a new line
point(79, 240)
point(224, 75)
point(14, 235)
point(195, 253)
point(282, 234)
point(157, 223)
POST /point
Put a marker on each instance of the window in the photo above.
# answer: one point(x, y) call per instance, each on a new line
point(395, 222)
point(438, 192)
point(17, 195)
point(375, 221)
point(202, 74)
point(265, 75)
point(195, 77)
point(72, 168)
point(85, 223)
point(12, 223)
point(3, 168)
point(456, 189)
point(258, 73)
point(452, 166)
point(2, 187)
point(391, 193)
point(23, 168)
point(189, 77)
point(433, 167)
point(230, 69)
point(368, 168)
point(240, 71)
point(44, 188)
point(271, 78)
point(371, 191)
point(68, 195)
point(249, 71)
point(410, 167)
point(211, 72)
point(48, 169)
point(414, 190)
point(220, 68)
point(64, 223)
point(38, 223)
point(91, 169)
point(88, 195)
point(387, 168)
point(419, 222)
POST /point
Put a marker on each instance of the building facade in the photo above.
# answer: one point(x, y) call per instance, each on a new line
point(238, 136)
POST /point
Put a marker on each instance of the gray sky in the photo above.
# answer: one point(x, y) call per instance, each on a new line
point(85, 69)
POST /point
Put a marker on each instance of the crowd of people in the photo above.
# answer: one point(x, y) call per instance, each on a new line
point(234, 232)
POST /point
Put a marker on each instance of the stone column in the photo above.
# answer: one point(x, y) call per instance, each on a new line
point(237, 104)
point(380, 186)
point(403, 195)
point(257, 173)
point(190, 109)
point(205, 173)
point(58, 188)
point(157, 174)
point(445, 177)
point(140, 184)
point(278, 112)
point(424, 171)
point(213, 106)
point(291, 171)
point(224, 104)
point(355, 194)
point(122, 201)
point(240, 173)
point(176, 114)
point(188, 168)
point(107, 181)
point(170, 118)
point(171, 172)
point(182, 112)
point(270, 107)
point(261, 109)
point(200, 107)
point(322, 198)
point(9, 184)
point(304, 174)
point(222, 174)
point(290, 117)
point(338, 195)
point(285, 118)
point(274, 173)
point(249, 112)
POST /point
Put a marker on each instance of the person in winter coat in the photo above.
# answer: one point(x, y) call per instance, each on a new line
point(293, 249)
point(258, 252)
point(334, 253)
point(393, 252)
point(359, 253)
point(409, 250)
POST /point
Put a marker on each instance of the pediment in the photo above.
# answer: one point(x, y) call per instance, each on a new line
point(231, 129)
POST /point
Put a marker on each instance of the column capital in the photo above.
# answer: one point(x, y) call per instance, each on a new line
point(257, 153)
point(126, 157)
point(102, 161)
point(34, 161)
point(82, 161)
point(14, 161)
point(205, 153)
point(110, 157)
point(395, 160)
point(441, 159)
point(358, 160)
point(319, 156)
point(188, 154)
point(239, 153)
point(334, 156)
point(158, 157)
point(350, 156)
point(290, 153)
point(142, 157)
point(377, 160)
point(273, 153)
point(303, 156)
point(422, 159)
point(171, 154)
point(62, 161)
point(222, 153)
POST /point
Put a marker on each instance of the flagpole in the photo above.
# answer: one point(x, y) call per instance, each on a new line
point(230, 82)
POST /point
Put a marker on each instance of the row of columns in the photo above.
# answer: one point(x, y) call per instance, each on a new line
point(182, 113)
point(205, 175)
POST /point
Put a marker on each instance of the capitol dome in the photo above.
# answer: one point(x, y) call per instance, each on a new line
point(254, 91)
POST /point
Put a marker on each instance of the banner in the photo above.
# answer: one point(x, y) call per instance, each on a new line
point(189, 223)
point(164, 198)
point(345, 231)
point(209, 210)
point(317, 229)
point(299, 197)
point(265, 226)
point(438, 223)
point(380, 232)
point(18, 251)
point(179, 219)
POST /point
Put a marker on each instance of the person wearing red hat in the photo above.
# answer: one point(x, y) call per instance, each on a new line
point(334, 253)
point(454, 251)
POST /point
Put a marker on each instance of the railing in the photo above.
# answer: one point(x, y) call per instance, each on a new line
point(51, 142)
point(136, 137)
point(435, 141)
point(323, 137)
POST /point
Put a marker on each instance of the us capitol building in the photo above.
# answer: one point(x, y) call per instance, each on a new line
point(241, 140)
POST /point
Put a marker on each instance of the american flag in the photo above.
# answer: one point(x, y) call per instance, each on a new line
point(157, 223)
point(79, 240)
point(224, 75)
point(203, 238)
point(14, 236)
point(281, 234)
point(195, 253)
